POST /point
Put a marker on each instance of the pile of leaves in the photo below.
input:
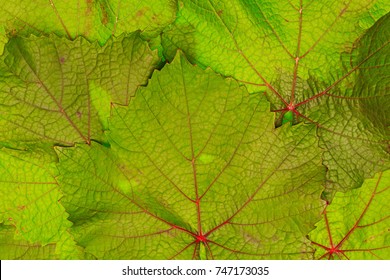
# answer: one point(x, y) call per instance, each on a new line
point(194, 129)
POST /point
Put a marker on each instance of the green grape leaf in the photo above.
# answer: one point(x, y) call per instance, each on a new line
point(195, 170)
point(12, 249)
point(30, 205)
point(123, 65)
point(149, 16)
point(92, 19)
point(55, 91)
point(39, 82)
point(109, 152)
point(356, 225)
point(319, 60)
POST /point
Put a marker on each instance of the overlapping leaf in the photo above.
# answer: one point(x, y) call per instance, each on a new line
point(356, 225)
point(93, 19)
point(30, 211)
point(308, 58)
point(51, 89)
point(123, 65)
point(195, 165)
point(44, 92)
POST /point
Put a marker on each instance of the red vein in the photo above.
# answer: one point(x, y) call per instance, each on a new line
point(326, 31)
point(292, 5)
point(343, 77)
point(227, 221)
point(215, 126)
point(208, 247)
point(251, 83)
point(32, 104)
point(129, 76)
point(361, 216)
point(62, 74)
point(251, 254)
point(270, 221)
point(151, 160)
point(39, 134)
point(376, 66)
point(27, 230)
point(140, 236)
point(342, 252)
point(309, 4)
point(133, 201)
point(24, 22)
point(326, 254)
point(182, 250)
point(366, 250)
point(292, 98)
point(279, 110)
point(320, 245)
point(298, 188)
point(328, 229)
point(40, 196)
point(274, 31)
point(60, 19)
point(59, 105)
point(197, 201)
point(116, 18)
point(88, 97)
point(354, 98)
point(232, 157)
point(375, 255)
point(374, 223)
point(164, 131)
point(154, 216)
point(30, 183)
point(108, 211)
point(336, 249)
point(237, 251)
point(336, 133)
point(167, 99)
point(246, 58)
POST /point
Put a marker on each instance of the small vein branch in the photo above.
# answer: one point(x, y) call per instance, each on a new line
point(246, 58)
point(355, 226)
point(342, 78)
point(60, 19)
point(326, 31)
point(59, 105)
point(193, 159)
point(227, 221)
point(142, 235)
point(294, 84)
point(320, 245)
point(274, 31)
point(231, 158)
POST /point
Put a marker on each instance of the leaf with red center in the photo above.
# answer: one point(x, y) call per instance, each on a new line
point(196, 169)
point(317, 59)
point(356, 224)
